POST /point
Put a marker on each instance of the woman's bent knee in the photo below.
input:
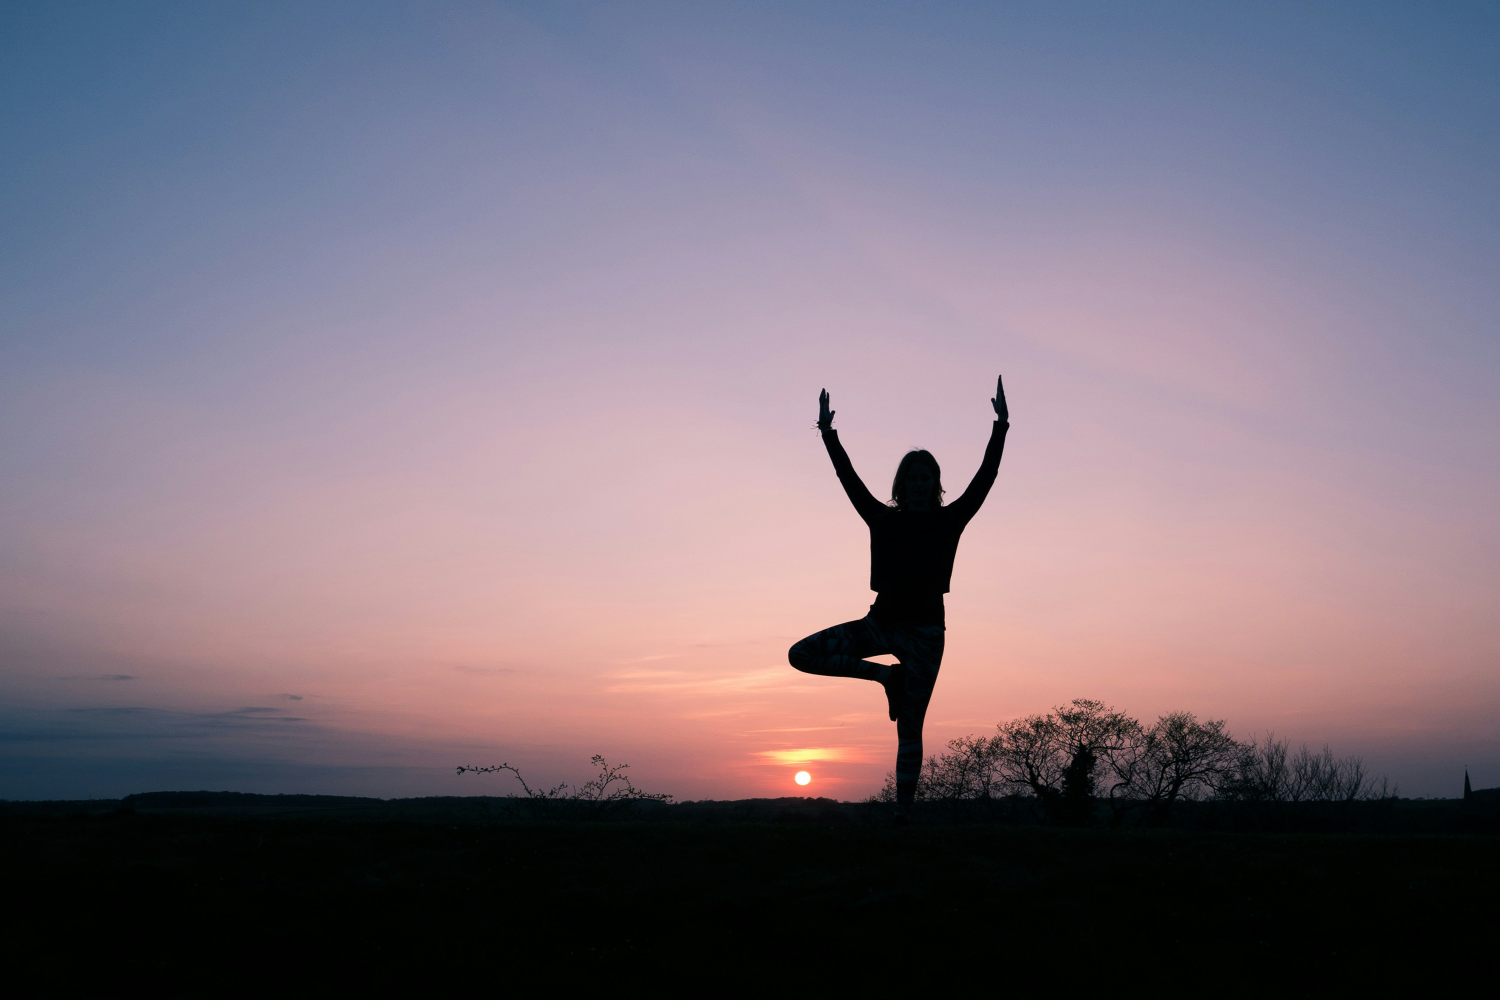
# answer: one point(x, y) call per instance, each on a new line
point(802, 656)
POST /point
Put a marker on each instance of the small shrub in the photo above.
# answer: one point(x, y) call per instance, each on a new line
point(609, 792)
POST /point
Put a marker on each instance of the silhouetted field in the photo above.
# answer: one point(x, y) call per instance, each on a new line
point(265, 893)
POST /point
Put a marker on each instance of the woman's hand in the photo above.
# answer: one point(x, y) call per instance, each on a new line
point(825, 415)
point(1002, 412)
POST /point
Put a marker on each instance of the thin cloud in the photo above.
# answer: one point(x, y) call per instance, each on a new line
point(257, 713)
point(763, 641)
point(689, 682)
point(807, 755)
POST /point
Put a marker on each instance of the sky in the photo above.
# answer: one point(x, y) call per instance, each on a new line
point(391, 387)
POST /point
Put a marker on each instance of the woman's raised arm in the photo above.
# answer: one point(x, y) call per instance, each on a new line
point(866, 504)
point(966, 506)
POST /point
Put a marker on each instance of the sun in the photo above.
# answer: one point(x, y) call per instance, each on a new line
point(802, 777)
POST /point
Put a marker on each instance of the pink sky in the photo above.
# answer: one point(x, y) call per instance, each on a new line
point(476, 423)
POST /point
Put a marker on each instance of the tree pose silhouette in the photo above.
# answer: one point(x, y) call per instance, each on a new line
point(913, 540)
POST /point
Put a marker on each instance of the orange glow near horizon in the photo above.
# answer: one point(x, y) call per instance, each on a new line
point(465, 415)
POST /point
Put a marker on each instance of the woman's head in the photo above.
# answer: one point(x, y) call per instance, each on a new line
point(919, 482)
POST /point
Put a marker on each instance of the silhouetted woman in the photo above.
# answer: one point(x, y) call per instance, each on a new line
point(912, 543)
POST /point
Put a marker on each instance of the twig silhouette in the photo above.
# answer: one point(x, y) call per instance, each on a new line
point(608, 790)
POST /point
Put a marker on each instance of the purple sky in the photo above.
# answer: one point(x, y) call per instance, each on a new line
point(386, 387)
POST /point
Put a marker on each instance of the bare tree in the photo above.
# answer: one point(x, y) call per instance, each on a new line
point(1056, 757)
point(1262, 773)
point(1027, 757)
point(1177, 757)
point(1089, 734)
point(1322, 777)
point(968, 769)
point(1268, 771)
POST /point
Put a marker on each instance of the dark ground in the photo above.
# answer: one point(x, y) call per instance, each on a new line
point(276, 894)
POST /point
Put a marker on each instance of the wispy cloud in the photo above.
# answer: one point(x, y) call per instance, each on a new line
point(256, 713)
point(768, 640)
point(135, 723)
point(766, 680)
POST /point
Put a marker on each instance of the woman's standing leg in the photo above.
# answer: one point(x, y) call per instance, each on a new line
point(920, 649)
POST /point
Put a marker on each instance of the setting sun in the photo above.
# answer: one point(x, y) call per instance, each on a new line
point(802, 778)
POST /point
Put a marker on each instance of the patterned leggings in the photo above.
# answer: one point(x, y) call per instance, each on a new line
point(840, 652)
